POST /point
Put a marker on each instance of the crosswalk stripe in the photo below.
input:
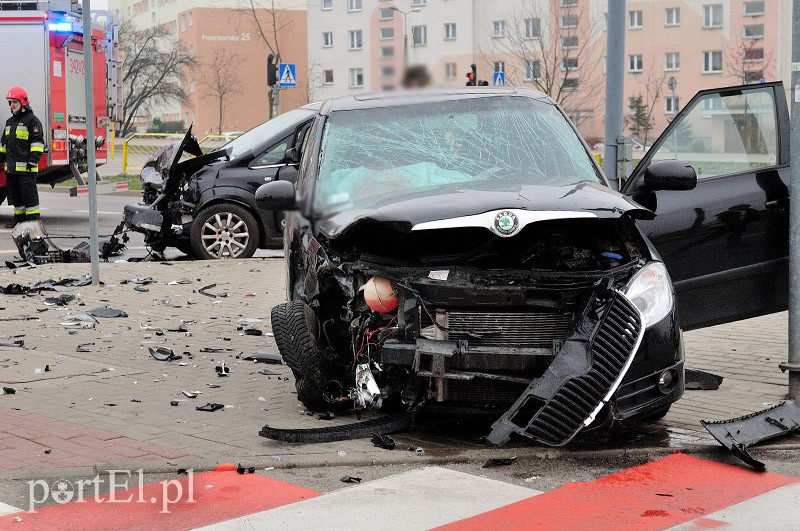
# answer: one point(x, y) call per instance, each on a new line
point(7, 509)
point(199, 499)
point(655, 495)
point(414, 500)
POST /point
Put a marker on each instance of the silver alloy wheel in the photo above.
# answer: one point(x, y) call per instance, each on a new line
point(225, 235)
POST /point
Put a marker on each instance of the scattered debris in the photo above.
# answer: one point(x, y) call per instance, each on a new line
point(204, 291)
point(164, 354)
point(175, 402)
point(211, 406)
point(357, 430)
point(61, 300)
point(383, 441)
point(17, 343)
point(702, 380)
point(495, 462)
point(9, 391)
point(79, 320)
point(738, 434)
point(253, 332)
point(242, 470)
point(221, 369)
point(213, 386)
point(141, 289)
point(212, 350)
point(419, 451)
point(267, 372)
point(181, 281)
point(82, 347)
point(350, 479)
point(105, 311)
point(188, 394)
point(330, 415)
point(47, 450)
point(265, 357)
point(139, 281)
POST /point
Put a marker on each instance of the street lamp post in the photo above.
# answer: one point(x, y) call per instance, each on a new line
point(405, 31)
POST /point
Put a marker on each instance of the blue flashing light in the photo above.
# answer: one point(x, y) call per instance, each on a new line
point(60, 27)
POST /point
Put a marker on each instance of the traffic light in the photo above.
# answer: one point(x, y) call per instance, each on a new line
point(472, 77)
point(272, 70)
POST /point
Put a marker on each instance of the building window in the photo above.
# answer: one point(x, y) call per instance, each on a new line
point(632, 105)
point(356, 41)
point(712, 16)
point(672, 61)
point(569, 21)
point(533, 28)
point(354, 5)
point(419, 35)
point(449, 31)
point(387, 33)
point(533, 70)
point(754, 76)
point(387, 71)
point(327, 5)
point(634, 19)
point(387, 51)
point(183, 22)
point(419, 2)
point(712, 62)
point(671, 105)
point(754, 31)
point(570, 83)
point(387, 14)
point(753, 55)
point(327, 39)
point(450, 71)
point(193, 86)
point(356, 77)
point(190, 20)
point(569, 43)
point(327, 77)
point(753, 9)
point(672, 16)
point(569, 3)
point(635, 63)
point(499, 66)
point(498, 28)
point(568, 64)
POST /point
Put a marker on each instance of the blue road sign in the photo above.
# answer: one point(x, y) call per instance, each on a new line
point(287, 75)
point(499, 79)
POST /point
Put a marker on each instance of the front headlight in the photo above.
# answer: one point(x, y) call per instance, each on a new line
point(651, 291)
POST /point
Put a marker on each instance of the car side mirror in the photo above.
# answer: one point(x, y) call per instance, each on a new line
point(276, 195)
point(292, 155)
point(287, 173)
point(670, 175)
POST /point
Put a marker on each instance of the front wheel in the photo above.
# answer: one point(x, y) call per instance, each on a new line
point(224, 230)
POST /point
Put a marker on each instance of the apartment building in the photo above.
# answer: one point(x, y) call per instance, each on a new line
point(222, 36)
point(557, 46)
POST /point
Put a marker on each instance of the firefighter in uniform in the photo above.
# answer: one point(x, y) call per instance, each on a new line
point(21, 145)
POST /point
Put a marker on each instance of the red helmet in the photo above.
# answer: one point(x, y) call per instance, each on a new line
point(17, 93)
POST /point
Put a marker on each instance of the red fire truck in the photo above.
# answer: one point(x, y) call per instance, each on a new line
point(42, 49)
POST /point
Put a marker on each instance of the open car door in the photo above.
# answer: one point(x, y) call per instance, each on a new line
point(726, 242)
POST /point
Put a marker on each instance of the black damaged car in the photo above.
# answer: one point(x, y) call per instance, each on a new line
point(205, 206)
point(461, 251)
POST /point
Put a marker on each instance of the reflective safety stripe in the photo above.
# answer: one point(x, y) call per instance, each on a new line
point(2, 149)
point(23, 167)
point(22, 134)
point(32, 210)
point(8, 129)
point(19, 211)
point(37, 146)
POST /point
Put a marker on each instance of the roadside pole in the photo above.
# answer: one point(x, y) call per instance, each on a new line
point(276, 98)
point(793, 365)
point(615, 60)
point(90, 147)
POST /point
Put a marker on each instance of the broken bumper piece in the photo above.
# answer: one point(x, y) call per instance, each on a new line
point(739, 433)
point(582, 377)
point(143, 218)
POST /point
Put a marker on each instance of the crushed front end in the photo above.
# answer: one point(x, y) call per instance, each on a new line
point(566, 324)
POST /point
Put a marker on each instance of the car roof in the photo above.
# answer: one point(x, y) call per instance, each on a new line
point(411, 97)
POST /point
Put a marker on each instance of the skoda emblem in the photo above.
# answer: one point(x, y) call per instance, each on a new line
point(506, 223)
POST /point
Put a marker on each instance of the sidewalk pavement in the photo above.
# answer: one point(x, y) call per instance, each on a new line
point(105, 402)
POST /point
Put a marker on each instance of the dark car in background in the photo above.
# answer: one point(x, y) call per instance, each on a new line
point(205, 206)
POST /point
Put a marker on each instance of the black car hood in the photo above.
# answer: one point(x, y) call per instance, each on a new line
point(465, 207)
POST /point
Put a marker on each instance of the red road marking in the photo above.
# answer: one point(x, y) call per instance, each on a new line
point(231, 495)
point(656, 495)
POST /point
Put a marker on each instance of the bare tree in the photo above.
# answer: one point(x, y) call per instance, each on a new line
point(653, 83)
point(316, 78)
point(747, 62)
point(152, 62)
point(555, 50)
point(221, 80)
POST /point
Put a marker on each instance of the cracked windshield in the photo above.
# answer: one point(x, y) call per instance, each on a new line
point(374, 156)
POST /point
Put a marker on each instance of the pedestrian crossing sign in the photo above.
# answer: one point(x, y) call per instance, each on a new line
point(499, 79)
point(287, 75)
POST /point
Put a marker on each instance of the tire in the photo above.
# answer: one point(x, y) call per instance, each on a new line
point(297, 330)
point(224, 230)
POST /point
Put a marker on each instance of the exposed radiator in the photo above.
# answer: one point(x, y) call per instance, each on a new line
point(508, 329)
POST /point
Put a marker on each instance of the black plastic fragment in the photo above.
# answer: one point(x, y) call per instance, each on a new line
point(383, 441)
point(82, 348)
point(105, 311)
point(222, 370)
point(330, 415)
point(211, 406)
point(164, 354)
point(61, 300)
point(502, 461)
point(16, 343)
point(358, 430)
point(253, 332)
point(141, 289)
point(242, 470)
point(350, 479)
point(740, 433)
point(265, 357)
point(204, 291)
point(702, 380)
point(267, 372)
point(9, 390)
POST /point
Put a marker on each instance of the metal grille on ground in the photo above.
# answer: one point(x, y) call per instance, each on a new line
point(140, 146)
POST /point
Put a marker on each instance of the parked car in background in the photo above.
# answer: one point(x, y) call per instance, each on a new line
point(205, 206)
